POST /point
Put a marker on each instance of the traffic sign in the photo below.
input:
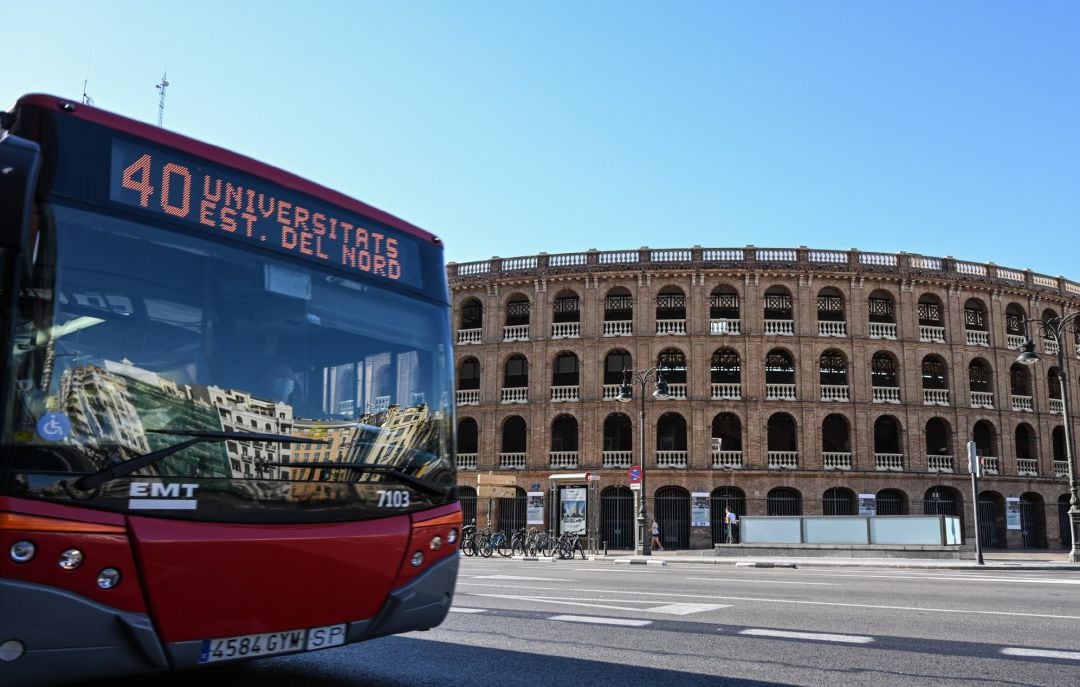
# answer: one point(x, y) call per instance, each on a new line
point(635, 486)
point(497, 480)
point(486, 491)
point(634, 473)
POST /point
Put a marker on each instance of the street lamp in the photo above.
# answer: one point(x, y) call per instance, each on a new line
point(1056, 328)
point(642, 542)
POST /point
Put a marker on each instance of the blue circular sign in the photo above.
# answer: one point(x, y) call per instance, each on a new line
point(53, 426)
point(634, 474)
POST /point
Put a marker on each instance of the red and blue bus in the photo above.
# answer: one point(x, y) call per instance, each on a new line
point(227, 406)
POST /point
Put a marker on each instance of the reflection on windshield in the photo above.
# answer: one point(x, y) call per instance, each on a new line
point(131, 331)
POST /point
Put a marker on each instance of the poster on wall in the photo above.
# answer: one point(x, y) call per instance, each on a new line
point(867, 504)
point(699, 509)
point(534, 508)
point(572, 510)
point(1012, 512)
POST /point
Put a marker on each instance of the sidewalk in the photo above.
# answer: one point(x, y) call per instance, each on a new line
point(1025, 560)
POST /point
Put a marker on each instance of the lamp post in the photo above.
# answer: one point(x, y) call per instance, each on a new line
point(642, 542)
point(1056, 328)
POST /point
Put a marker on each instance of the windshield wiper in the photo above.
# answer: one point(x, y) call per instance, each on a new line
point(421, 484)
point(88, 482)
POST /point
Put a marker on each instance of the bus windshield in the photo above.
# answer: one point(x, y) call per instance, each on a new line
point(131, 338)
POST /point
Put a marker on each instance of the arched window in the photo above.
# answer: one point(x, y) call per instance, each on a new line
point(617, 517)
point(833, 369)
point(883, 371)
point(942, 501)
point(1015, 329)
point(835, 435)
point(938, 443)
point(931, 319)
point(881, 310)
point(783, 501)
point(468, 377)
point(673, 515)
point(726, 432)
point(468, 437)
point(671, 433)
point(517, 310)
point(671, 311)
point(564, 434)
point(514, 435)
point(975, 315)
point(779, 367)
point(891, 502)
point(887, 438)
point(615, 362)
point(618, 436)
point(933, 373)
point(985, 437)
point(467, 499)
point(830, 313)
point(516, 374)
point(980, 376)
point(1058, 440)
point(564, 371)
point(839, 501)
point(618, 307)
point(472, 314)
point(672, 365)
point(721, 499)
point(1020, 380)
point(781, 433)
point(566, 307)
point(725, 367)
point(724, 314)
point(1053, 384)
point(779, 311)
point(1024, 440)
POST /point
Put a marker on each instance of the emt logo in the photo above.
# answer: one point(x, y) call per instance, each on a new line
point(158, 496)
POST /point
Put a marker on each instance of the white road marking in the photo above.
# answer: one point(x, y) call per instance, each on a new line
point(459, 609)
point(516, 577)
point(565, 601)
point(754, 581)
point(952, 578)
point(815, 636)
point(686, 609)
point(1041, 653)
point(917, 609)
point(600, 621)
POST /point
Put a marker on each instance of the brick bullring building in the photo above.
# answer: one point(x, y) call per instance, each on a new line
point(798, 379)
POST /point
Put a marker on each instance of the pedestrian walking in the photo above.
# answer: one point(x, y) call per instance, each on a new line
point(655, 529)
point(731, 521)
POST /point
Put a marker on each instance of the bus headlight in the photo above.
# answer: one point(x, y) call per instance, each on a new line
point(417, 559)
point(22, 551)
point(71, 559)
point(436, 543)
point(108, 578)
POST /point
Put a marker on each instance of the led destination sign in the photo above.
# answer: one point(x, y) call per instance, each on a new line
point(244, 208)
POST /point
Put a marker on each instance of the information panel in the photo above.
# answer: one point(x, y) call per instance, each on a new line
point(217, 199)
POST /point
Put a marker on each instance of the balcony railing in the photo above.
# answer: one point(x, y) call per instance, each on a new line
point(886, 394)
point(468, 397)
point(676, 391)
point(562, 459)
point(779, 460)
point(611, 392)
point(780, 327)
point(939, 463)
point(1057, 406)
point(982, 399)
point(511, 461)
point(836, 461)
point(517, 394)
point(466, 461)
point(727, 460)
point(831, 328)
point(1027, 467)
point(892, 462)
point(516, 332)
point(1061, 468)
point(835, 392)
point(619, 328)
point(671, 459)
point(974, 337)
point(1023, 403)
point(469, 336)
point(1014, 341)
point(935, 397)
point(931, 334)
point(780, 392)
point(882, 330)
point(565, 393)
point(990, 465)
point(725, 326)
point(617, 459)
point(726, 392)
point(665, 327)
point(565, 330)
point(1050, 346)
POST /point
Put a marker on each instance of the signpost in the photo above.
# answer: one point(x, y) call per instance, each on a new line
point(495, 487)
point(634, 473)
point(975, 466)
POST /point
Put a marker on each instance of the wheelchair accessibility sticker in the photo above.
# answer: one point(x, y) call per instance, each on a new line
point(53, 426)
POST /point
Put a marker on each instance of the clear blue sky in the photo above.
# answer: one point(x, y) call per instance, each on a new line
point(510, 128)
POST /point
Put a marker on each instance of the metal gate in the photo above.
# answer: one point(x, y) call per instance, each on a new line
point(1063, 522)
point(671, 508)
point(991, 523)
point(1029, 524)
point(838, 501)
point(512, 513)
point(783, 501)
point(725, 497)
point(617, 518)
point(890, 502)
point(467, 499)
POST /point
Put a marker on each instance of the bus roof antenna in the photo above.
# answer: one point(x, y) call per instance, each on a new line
point(161, 101)
point(87, 100)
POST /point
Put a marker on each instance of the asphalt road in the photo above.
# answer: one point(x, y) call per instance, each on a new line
point(594, 622)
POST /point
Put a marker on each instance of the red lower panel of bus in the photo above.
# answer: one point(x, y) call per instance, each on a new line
point(206, 580)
